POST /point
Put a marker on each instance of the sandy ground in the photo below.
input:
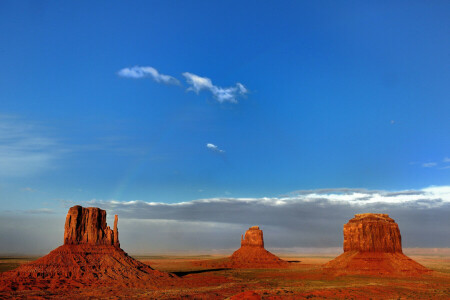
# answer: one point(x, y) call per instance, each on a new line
point(303, 279)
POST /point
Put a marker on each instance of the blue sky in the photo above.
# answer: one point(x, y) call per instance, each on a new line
point(334, 94)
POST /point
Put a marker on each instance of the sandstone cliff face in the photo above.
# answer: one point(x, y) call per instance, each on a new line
point(88, 226)
point(253, 238)
point(372, 233)
point(373, 246)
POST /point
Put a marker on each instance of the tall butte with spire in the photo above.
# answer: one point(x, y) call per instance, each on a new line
point(90, 255)
point(88, 226)
point(373, 246)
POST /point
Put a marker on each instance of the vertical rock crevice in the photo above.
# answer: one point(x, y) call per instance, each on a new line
point(88, 226)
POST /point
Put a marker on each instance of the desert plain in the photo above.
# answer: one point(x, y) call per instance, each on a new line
point(303, 279)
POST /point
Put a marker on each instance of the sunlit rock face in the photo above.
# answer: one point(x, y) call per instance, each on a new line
point(372, 233)
point(373, 246)
point(88, 226)
point(253, 238)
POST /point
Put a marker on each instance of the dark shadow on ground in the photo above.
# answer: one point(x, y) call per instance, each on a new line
point(181, 274)
point(294, 261)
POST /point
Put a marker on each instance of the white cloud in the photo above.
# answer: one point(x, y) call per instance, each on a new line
point(446, 159)
point(307, 218)
point(433, 196)
point(141, 72)
point(229, 94)
point(214, 148)
point(429, 165)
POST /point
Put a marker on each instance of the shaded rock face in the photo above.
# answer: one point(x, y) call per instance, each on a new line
point(372, 233)
point(253, 238)
point(88, 226)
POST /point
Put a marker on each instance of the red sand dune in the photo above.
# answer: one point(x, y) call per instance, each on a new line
point(373, 246)
point(90, 256)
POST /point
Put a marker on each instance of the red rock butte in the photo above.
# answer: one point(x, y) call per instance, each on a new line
point(373, 246)
point(372, 233)
point(252, 253)
point(88, 226)
point(91, 255)
point(253, 238)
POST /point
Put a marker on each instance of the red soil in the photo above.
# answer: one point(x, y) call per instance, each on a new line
point(82, 265)
point(253, 257)
point(375, 263)
point(248, 295)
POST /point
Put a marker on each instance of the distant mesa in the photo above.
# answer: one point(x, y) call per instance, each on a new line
point(373, 246)
point(252, 253)
point(91, 255)
point(372, 233)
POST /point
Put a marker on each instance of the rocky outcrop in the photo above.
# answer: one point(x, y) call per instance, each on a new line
point(373, 246)
point(88, 226)
point(251, 254)
point(253, 238)
point(91, 255)
point(372, 233)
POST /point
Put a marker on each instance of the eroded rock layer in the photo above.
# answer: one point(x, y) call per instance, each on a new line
point(88, 226)
point(253, 238)
point(372, 246)
point(372, 233)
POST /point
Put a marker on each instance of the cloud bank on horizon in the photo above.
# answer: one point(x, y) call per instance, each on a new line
point(302, 219)
point(314, 217)
point(196, 83)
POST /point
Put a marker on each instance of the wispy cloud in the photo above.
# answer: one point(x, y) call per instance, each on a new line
point(446, 159)
point(214, 148)
point(24, 148)
point(137, 72)
point(197, 83)
point(39, 211)
point(229, 94)
point(429, 165)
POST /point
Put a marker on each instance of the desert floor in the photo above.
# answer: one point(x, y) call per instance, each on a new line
point(303, 279)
